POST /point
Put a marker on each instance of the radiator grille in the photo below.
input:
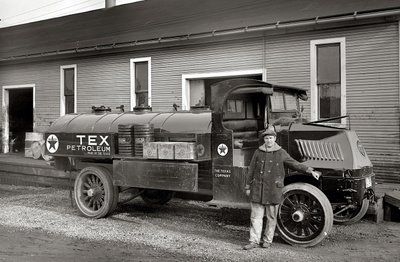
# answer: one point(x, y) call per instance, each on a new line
point(318, 150)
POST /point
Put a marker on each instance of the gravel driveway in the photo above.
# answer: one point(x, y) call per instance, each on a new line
point(179, 231)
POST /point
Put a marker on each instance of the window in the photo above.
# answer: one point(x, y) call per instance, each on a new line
point(234, 109)
point(281, 101)
point(68, 89)
point(328, 78)
point(141, 82)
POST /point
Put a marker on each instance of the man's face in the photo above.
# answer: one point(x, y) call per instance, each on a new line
point(269, 140)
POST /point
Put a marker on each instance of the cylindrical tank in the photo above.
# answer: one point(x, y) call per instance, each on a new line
point(198, 122)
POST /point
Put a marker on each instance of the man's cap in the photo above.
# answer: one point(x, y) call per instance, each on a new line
point(268, 132)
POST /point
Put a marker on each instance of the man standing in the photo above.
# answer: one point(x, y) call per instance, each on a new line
point(265, 182)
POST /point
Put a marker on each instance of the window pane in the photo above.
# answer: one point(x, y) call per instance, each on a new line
point(291, 102)
point(277, 101)
point(69, 104)
point(141, 76)
point(69, 81)
point(197, 93)
point(231, 106)
point(328, 63)
point(239, 106)
point(141, 99)
point(329, 100)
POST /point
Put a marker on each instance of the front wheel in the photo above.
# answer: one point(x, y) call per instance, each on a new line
point(95, 195)
point(305, 215)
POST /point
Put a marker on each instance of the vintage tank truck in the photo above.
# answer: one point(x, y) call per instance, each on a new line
point(205, 153)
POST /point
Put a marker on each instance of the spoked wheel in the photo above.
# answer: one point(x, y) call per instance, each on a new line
point(349, 214)
point(156, 197)
point(305, 216)
point(95, 195)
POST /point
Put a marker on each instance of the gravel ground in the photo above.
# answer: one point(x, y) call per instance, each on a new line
point(184, 229)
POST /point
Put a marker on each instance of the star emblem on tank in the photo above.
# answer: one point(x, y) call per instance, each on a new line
point(52, 143)
point(222, 150)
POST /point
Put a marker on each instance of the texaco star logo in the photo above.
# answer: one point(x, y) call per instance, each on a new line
point(222, 150)
point(52, 143)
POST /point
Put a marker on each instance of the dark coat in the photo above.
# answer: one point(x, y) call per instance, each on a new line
point(267, 172)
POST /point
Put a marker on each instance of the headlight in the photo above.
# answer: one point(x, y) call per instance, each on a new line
point(360, 148)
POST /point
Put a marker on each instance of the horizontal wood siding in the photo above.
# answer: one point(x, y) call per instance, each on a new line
point(170, 64)
point(372, 67)
point(105, 79)
point(46, 77)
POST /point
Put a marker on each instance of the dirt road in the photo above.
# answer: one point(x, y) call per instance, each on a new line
point(39, 224)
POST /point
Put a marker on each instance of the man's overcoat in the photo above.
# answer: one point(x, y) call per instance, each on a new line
point(267, 172)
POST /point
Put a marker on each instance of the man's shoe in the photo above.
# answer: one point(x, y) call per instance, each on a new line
point(266, 245)
point(250, 246)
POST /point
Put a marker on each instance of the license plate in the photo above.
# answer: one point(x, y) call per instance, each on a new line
point(368, 182)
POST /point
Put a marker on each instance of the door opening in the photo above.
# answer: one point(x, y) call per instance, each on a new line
point(18, 103)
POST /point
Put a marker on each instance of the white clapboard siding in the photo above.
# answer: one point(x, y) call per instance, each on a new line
point(372, 74)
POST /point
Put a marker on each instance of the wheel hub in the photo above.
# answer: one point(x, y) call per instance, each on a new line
point(93, 192)
point(298, 216)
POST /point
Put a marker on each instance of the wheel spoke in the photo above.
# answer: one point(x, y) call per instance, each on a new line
point(299, 229)
point(291, 204)
point(90, 202)
point(315, 227)
point(302, 199)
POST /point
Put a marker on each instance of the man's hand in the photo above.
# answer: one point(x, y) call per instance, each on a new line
point(316, 174)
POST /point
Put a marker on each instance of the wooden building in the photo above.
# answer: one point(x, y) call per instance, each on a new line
point(163, 52)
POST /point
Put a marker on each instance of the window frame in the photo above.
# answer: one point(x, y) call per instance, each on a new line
point(313, 76)
point(133, 62)
point(62, 93)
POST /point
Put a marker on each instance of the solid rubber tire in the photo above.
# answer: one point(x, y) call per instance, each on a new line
point(327, 209)
point(109, 192)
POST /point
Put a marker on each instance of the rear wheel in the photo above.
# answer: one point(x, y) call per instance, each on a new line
point(95, 194)
point(156, 197)
point(305, 215)
point(350, 214)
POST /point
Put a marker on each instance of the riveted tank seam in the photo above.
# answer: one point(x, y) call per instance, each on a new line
point(98, 121)
point(162, 125)
point(111, 124)
point(69, 122)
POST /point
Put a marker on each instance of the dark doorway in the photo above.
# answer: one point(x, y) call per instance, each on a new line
point(20, 112)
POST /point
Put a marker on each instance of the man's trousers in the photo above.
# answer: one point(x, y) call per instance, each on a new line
point(256, 219)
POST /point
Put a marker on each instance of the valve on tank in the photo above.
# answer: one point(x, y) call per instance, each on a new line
point(100, 109)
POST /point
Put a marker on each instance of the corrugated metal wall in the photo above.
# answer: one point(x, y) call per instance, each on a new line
point(372, 67)
point(372, 79)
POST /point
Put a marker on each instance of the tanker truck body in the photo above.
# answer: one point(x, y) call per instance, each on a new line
point(205, 153)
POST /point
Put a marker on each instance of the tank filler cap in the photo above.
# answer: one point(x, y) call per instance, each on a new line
point(100, 109)
point(142, 108)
